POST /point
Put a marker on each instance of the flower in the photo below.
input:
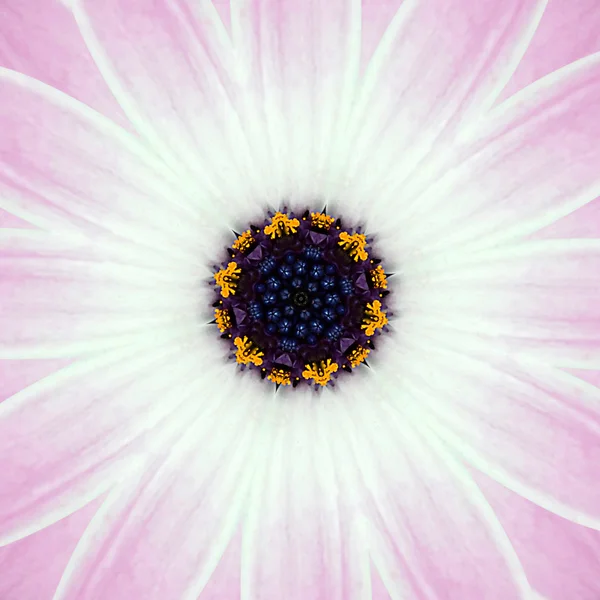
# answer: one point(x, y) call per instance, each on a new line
point(381, 480)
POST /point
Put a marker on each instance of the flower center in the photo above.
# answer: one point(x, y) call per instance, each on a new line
point(300, 299)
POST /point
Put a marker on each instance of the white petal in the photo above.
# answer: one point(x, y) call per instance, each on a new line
point(67, 438)
point(66, 167)
point(532, 428)
point(300, 61)
point(430, 533)
point(169, 64)
point(60, 295)
point(533, 160)
point(439, 65)
point(163, 532)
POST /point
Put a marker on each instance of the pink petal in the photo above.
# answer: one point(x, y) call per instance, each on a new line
point(430, 532)
point(376, 18)
point(378, 589)
point(170, 66)
point(40, 38)
point(592, 377)
point(582, 223)
point(561, 559)
point(61, 295)
point(9, 220)
point(301, 64)
point(534, 160)
point(18, 374)
point(32, 567)
point(162, 535)
point(538, 299)
point(568, 31)
point(224, 9)
point(297, 538)
point(224, 583)
point(65, 439)
point(440, 64)
point(65, 166)
point(532, 428)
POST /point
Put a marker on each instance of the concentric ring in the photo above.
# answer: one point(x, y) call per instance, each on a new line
point(300, 298)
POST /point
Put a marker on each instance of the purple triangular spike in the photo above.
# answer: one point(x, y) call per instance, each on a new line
point(361, 283)
point(256, 254)
point(284, 359)
point(345, 343)
point(240, 315)
point(316, 237)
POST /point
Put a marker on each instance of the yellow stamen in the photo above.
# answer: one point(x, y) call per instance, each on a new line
point(223, 319)
point(321, 221)
point(321, 372)
point(280, 376)
point(354, 244)
point(378, 277)
point(244, 241)
point(281, 225)
point(374, 318)
point(247, 352)
point(227, 279)
point(358, 356)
